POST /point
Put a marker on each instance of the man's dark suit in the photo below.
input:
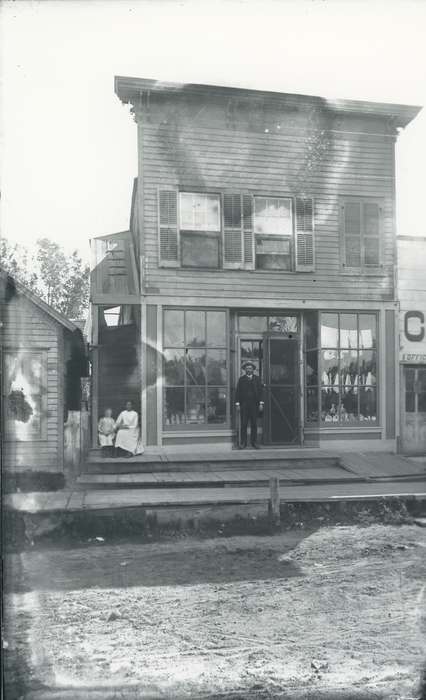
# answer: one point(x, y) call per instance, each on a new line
point(249, 394)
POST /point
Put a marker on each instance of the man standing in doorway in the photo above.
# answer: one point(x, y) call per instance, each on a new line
point(249, 397)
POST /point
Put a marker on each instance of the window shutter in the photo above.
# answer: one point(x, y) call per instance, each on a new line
point(168, 230)
point(248, 231)
point(233, 240)
point(305, 253)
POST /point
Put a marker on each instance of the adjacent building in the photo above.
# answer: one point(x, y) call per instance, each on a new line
point(262, 227)
point(43, 358)
point(412, 345)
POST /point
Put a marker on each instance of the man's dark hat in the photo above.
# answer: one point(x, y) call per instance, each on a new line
point(249, 364)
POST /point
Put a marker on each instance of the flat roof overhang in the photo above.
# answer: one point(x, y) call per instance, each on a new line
point(129, 89)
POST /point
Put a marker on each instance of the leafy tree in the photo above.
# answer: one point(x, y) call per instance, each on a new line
point(14, 260)
point(61, 280)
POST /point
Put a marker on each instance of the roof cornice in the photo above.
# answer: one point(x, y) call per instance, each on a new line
point(129, 89)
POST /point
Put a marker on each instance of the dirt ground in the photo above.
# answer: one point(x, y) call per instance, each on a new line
point(297, 613)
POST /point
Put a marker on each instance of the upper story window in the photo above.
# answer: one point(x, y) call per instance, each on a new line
point(273, 228)
point(235, 230)
point(199, 218)
point(199, 212)
point(361, 226)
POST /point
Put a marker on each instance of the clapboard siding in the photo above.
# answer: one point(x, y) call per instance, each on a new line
point(196, 150)
point(26, 327)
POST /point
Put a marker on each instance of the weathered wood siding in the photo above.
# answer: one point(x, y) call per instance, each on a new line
point(26, 327)
point(204, 145)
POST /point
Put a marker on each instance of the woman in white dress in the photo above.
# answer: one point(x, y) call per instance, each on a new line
point(127, 432)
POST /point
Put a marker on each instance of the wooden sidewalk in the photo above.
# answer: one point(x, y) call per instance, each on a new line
point(114, 499)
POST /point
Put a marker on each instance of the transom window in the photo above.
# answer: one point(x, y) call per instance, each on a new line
point(195, 367)
point(361, 226)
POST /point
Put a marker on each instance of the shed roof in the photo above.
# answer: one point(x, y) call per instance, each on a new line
point(128, 88)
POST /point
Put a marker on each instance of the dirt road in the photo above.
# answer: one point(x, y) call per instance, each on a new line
point(339, 608)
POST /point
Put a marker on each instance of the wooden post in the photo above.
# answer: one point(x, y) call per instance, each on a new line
point(274, 503)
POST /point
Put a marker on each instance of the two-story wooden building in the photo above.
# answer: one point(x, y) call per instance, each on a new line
point(262, 228)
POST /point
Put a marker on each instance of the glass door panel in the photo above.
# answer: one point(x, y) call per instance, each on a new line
point(282, 391)
point(414, 410)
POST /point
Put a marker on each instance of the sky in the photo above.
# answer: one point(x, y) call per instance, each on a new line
point(69, 146)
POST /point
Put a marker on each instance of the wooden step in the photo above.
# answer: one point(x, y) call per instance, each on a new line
point(219, 478)
point(135, 466)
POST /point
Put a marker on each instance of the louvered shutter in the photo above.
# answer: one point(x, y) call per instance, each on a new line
point(248, 231)
point(305, 252)
point(233, 239)
point(168, 230)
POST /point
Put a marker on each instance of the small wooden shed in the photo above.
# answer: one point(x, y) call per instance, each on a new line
point(43, 358)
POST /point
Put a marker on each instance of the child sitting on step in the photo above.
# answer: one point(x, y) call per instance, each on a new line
point(106, 433)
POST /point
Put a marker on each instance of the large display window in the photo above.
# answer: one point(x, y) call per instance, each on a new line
point(195, 367)
point(341, 369)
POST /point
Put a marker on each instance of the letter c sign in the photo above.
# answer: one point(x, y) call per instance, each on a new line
point(415, 332)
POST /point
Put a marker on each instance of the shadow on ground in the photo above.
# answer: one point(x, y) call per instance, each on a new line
point(127, 565)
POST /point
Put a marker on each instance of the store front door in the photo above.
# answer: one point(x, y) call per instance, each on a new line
point(276, 359)
point(413, 424)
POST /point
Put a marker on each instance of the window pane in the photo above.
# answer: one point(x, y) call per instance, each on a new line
point(196, 367)
point(174, 407)
point(421, 380)
point(195, 328)
point(330, 404)
point(421, 400)
point(195, 405)
point(410, 402)
point(311, 329)
point(199, 250)
point(283, 324)
point(174, 364)
point(371, 219)
point(199, 212)
point(173, 328)
point(349, 405)
point(367, 404)
point(371, 247)
point(312, 405)
point(216, 367)
point(353, 252)
point(367, 367)
point(349, 367)
point(348, 331)
point(216, 406)
point(272, 216)
point(216, 329)
point(329, 330)
point(352, 219)
point(312, 367)
point(273, 261)
point(252, 350)
point(329, 367)
point(252, 324)
point(23, 392)
point(367, 331)
point(409, 379)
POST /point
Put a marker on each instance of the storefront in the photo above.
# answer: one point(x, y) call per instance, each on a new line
point(319, 370)
point(412, 346)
